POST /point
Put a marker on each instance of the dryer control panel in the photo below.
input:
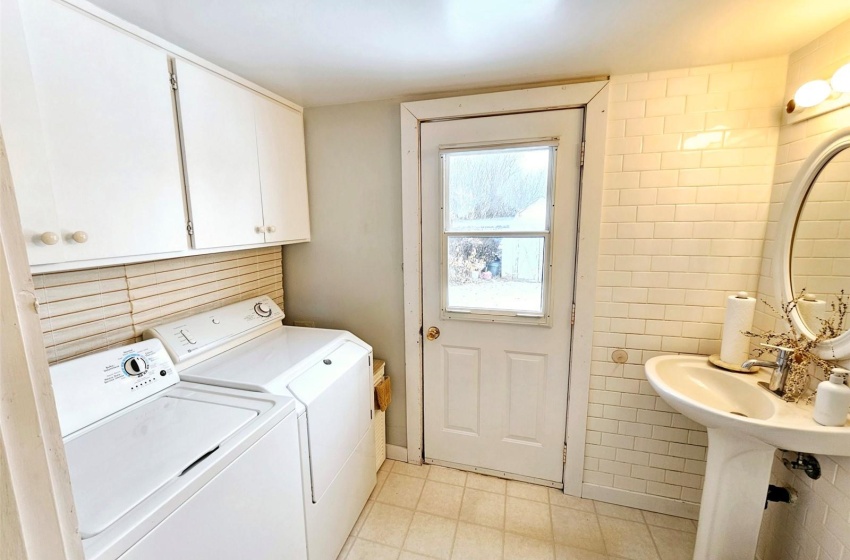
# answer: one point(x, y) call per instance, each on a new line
point(93, 387)
point(205, 334)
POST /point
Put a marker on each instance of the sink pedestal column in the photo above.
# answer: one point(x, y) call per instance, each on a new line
point(737, 475)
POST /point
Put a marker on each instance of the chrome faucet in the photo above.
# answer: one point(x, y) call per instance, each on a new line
point(781, 367)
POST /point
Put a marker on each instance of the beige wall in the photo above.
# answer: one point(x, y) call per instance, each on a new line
point(349, 276)
point(90, 310)
point(688, 171)
point(818, 526)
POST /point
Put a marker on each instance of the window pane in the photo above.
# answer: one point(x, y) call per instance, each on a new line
point(496, 273)
point(493, 190)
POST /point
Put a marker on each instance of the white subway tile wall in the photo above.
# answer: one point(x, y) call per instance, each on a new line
point(90, 310)
point(818, 526)
point(689, 166)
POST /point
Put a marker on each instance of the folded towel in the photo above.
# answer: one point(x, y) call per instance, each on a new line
point(383, 393)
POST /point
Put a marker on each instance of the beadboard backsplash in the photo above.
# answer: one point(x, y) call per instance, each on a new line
point(89, 310)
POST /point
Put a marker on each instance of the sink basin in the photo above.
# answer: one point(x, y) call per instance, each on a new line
point(745, 425)
point(720, 399)
point(707, 395)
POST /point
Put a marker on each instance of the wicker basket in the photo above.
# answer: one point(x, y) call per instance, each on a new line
point(379, 421)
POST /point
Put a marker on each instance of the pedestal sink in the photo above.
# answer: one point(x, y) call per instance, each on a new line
point(746, 424)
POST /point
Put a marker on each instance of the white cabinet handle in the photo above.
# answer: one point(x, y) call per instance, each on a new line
point(271, 229)
point(49, 238)
point(260, 229)
point(80, 236)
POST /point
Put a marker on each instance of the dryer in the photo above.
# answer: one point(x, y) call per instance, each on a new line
point(328, 372)
point(166, 469)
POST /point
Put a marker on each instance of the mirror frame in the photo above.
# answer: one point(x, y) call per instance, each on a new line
point(838, 348)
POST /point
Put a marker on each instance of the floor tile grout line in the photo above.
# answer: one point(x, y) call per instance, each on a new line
point(504, 543)
point(655, 544)
point(599, 526)
point(505, 512)
point(462, 498)
point(409, 525)
point(457, 524)
point(551, 523)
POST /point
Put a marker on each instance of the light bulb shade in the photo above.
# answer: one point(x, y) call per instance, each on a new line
point(840, 81)
point(812, 93)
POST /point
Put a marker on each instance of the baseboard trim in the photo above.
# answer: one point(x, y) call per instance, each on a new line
point(497, 474)
point(657, 504)
point(396, 453)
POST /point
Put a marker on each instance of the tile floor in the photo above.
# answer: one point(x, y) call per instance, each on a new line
point(424, 512)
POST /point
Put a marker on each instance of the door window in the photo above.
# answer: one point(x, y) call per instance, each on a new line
point(497, 216)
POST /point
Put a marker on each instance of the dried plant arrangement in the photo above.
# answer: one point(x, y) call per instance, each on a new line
point(805, 349)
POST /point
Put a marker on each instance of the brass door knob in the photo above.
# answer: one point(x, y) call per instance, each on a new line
point(433, 333)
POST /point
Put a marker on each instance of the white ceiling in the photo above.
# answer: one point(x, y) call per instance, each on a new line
point(321, 52)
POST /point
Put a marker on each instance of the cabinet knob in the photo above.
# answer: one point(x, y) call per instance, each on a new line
point(80, 236)
point(260, 229)
point(271, 229)
point(49, 238)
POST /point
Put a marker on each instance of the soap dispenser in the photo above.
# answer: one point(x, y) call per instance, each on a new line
point(833, 399)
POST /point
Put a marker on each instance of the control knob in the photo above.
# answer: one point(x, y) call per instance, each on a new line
point(262, 309)
point(135, 366)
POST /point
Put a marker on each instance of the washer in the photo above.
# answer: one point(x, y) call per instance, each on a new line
point(166, 469)
point(328, 372)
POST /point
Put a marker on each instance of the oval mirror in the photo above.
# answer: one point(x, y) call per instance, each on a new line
point(820, 251)
point(814, 241)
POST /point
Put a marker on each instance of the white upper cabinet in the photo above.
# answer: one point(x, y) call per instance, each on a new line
point(245, 166)
point(220, 156)
point(283, 171)
point(94, 131)
point(93, 148)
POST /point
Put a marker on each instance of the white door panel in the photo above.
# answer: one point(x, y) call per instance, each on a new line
point(220, 157)
point(496, 379)
point(525, 380)
point(283, 171)
point(106, 113)
point(461, 370)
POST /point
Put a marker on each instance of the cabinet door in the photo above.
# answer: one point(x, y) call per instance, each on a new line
point(107, 114)
point(220, 156)
point(283, 171)
point(24, 141)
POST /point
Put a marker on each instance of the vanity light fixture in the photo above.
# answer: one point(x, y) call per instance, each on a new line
point(810, 94)
point(840, 81)
point(816, 92)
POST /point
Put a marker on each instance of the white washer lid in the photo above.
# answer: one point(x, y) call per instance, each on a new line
point(119, 463)
point(269, 362)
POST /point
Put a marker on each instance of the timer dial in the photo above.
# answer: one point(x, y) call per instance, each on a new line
point(135, 366)
point(262, 309)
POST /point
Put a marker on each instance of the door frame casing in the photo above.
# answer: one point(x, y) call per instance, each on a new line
point(593, 98)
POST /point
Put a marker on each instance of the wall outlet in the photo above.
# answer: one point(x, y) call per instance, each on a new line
point(311, 324)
